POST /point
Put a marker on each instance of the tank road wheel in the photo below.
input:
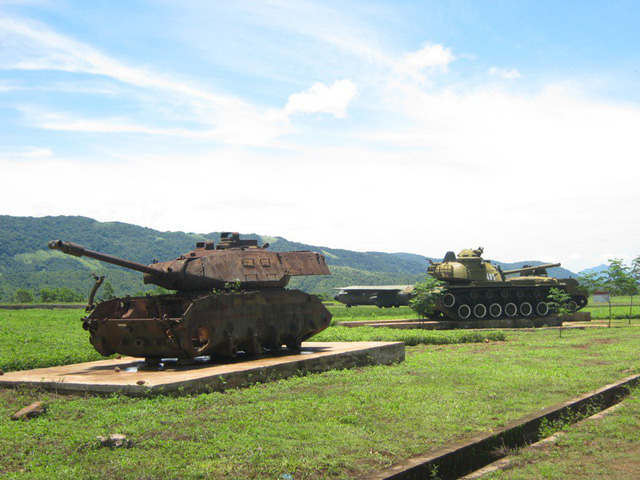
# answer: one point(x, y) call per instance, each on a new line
point(526, 309)
point(464, 311)
point(542, 309)
point(231, 350)
point(510, 309)
point(200, 339)
point(253, 346)
point(294, 345)
point(495, 310)
point(274, 342)
point(582, 302)
point(448, 300)
point(572, 306)
point(479, 311)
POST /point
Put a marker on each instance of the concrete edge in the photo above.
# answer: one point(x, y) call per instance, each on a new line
point(443, 325)
point(477, 324)
point(505, 462)
point(462, 458)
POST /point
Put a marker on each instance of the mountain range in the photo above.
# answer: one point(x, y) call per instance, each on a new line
point(599, 269)
point(26, 262)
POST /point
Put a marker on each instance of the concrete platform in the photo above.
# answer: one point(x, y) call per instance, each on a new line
point(550, 321)
point(136, 378)
point(577, 317)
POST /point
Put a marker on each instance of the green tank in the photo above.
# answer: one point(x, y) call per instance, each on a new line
point(476, 289)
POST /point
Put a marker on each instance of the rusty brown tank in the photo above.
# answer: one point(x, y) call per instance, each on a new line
point(230, 297)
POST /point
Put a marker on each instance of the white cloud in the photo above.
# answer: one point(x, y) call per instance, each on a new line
point(30, 45)
point(27, 153)
point(323, 99)
point(504, 73)
point(430, 56)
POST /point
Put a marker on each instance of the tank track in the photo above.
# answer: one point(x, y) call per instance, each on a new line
point(214, 324)
point(495, 302)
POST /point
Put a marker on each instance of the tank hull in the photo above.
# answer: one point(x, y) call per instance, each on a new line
point(514, 298)
point(215, 324)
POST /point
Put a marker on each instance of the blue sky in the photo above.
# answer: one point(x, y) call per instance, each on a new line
point(393, 126)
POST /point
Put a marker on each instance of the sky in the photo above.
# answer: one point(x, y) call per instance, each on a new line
point(394, 126)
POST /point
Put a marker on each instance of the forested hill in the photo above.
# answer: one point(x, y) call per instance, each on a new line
point(27, 263)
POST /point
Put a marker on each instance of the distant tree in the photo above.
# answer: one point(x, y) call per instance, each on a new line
point(107, 292)
point(323, 297)
point(66, 295)
point(46, 295)
point(425, 296)
point(591, 282)
point(154, 291)
point(62, 295)
point(620, 281)
point(23, 296)
point(635, 270)
point(161, 291)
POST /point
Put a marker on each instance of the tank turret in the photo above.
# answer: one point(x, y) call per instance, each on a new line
point(209, 266)
point(475, 288)
point(466, 268)
point(231, 297)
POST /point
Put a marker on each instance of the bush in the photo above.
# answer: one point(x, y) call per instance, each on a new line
point(425, 295)
point(23, 296)
point(62, 295)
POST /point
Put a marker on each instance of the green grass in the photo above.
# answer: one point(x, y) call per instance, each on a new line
point(334, 424)
point(616, 312)
point(408, 336)
point(43, 338)
point(604, 448)
point(343, 314)
point(621, 299)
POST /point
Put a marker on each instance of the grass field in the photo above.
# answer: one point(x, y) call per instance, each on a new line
point(604, 448)
point(343, 314)
point(42, 338)
point(334, 424)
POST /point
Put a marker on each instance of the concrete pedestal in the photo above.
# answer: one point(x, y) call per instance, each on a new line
point(132, 376)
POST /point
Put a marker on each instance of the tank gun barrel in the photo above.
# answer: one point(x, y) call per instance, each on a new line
point(79, 251)
point(530, 269)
